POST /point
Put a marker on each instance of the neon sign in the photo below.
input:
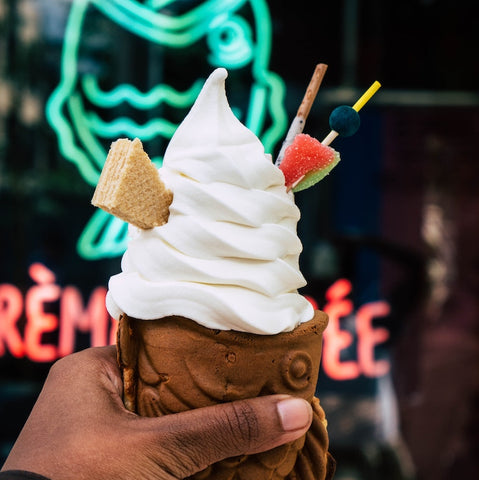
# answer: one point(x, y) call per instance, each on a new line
point(336, 340)
point(93, 319)
point(83, 109)
point(73, 317)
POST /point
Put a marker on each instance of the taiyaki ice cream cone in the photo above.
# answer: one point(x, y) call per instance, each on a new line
point(173, 364)
point(207, 300)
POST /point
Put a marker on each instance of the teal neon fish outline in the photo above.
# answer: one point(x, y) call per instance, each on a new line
point(79, 131)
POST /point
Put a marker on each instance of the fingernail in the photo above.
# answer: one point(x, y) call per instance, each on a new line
point(294, 413)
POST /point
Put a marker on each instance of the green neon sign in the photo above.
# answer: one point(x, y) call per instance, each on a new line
point(87, 112)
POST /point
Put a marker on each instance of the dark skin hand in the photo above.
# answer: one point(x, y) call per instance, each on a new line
point(79, 428)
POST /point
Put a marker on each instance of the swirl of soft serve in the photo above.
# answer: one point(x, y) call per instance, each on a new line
point(228, 257)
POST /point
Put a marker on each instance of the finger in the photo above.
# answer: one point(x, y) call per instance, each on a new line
point(198, 438)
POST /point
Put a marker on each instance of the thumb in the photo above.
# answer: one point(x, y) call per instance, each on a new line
point(201, 437)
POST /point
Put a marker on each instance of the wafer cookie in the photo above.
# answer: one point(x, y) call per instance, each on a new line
point(130, 186)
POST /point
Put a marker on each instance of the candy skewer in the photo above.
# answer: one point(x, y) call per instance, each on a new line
point(365, 97)
point(345, 121)
point(297, 125)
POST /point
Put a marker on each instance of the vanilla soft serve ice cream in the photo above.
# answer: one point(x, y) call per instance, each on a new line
point(228, 257)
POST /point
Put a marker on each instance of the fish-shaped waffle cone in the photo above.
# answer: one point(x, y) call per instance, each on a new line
point(173, 364)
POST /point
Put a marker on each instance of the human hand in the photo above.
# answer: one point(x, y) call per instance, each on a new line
point(79, 428)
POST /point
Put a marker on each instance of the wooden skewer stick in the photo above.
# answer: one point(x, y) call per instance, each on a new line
point(365, 97)
point(297, 125)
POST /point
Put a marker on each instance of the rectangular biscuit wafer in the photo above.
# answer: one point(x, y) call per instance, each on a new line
point(130, 186)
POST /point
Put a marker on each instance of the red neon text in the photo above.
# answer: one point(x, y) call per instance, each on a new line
point(368, 337)
point(72, 317)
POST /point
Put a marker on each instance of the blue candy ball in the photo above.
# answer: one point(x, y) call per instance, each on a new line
point(344, 120)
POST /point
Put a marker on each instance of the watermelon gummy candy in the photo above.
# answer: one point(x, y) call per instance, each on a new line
point(304, 155)
point(315, 176)
point(307, 161)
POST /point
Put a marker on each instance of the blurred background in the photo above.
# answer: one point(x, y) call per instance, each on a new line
point(390, 238)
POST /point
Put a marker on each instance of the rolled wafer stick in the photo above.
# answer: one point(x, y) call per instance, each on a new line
point(297, 125)
point(312, 90)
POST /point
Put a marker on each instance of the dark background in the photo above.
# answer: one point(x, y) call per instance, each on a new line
point(399, 216)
